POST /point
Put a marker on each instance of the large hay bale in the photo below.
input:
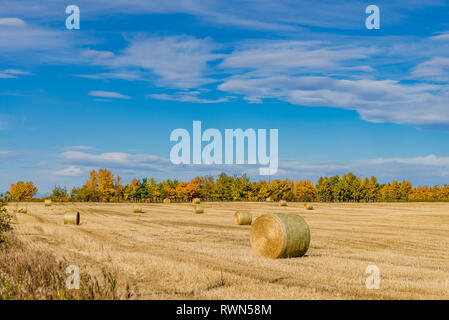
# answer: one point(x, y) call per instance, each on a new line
point(308, 206)
point(137, 208)
point(198, 209)
point(243, 217)
point(47, 202)
point(72, 218)
point(167, 201)
point(280, 235)
point(196, 201)
point(269, 199)
point(283, 203)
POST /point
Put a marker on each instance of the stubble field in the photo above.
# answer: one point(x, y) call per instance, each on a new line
point(167, 252)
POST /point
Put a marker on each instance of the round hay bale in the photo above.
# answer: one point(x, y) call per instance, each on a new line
point(242, 217)
point(72, 218)
point(308, 206)
point(22, 209)
point(47, 202)
point(280, 235)
point(167, 201)
point(269, 199)
point(196, 201)
point(198, 209)
point(137, 208)
point(283, 203)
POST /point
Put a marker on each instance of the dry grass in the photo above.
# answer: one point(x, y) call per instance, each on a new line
point(170, 253)
point(28, 273)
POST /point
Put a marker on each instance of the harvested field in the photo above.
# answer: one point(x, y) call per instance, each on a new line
point(170, 253)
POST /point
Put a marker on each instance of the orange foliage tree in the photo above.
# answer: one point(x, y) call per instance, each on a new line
point(22, 191)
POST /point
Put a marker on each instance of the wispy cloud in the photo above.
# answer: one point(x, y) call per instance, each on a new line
point(281, 15)
point(268, 57)
point(108, 94)
point(13, 73)
point(374, 100)
point(185, 97)
point(174, 61)
point(70, 171)
point(436, 69)
point(77, 148)
point(429, 169)
point(12, 22)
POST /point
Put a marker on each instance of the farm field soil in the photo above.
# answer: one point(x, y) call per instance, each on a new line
point(168, 252)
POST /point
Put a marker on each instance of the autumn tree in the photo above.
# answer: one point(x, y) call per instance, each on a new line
point(304, 191)
point(22, 191)
point(324, 190)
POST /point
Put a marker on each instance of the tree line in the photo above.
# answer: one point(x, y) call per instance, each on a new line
point(104, 186)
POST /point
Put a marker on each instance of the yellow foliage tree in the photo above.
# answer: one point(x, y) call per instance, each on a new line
point(22, 191)
point(304, 190)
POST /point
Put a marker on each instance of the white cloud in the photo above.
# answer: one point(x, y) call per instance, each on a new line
point(176, 61)
point(374, 100)
point(123, 75)
point(293, 56)
point(6, 76)
point(115, 160)
point(185, 97)
point(108, 94)
point(77, 148)
point(96, 54)
point(430, 169)
point(281, 15)
point(71, 171)
point(437, 68)
point(12, 73)
point(443, 36)
point(12, 22)
point(10, 155)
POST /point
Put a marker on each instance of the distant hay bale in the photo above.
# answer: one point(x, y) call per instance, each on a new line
point(280, 235)
point(283, 203)
point(269, 199)
point(48, 203)
point(167, 201)
point(21, 209)
point(242, 217)
point(137, 208)
point(72, 218)
point(196, 201)
point(308, 206)
point(198, 209)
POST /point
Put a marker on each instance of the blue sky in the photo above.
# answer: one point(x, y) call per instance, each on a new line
point(344, 98)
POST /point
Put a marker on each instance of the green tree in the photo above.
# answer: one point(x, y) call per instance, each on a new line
point(59, 194)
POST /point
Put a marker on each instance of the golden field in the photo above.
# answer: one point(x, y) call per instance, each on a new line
point(168, 252)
